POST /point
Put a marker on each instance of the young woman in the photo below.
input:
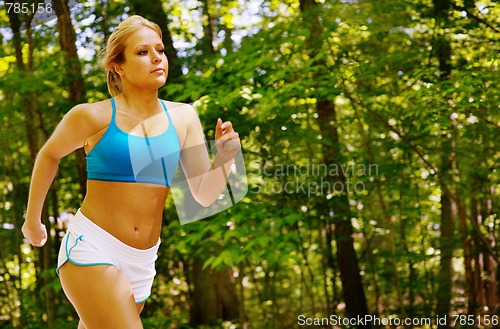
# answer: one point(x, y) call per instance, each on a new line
point(134, 142)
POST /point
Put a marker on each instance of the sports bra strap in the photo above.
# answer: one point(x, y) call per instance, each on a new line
point(166, 110)
point(113, 115)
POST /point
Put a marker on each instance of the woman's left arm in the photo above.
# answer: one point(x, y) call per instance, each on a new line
point(207, 180)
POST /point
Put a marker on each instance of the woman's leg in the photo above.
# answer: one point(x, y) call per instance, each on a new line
point(139, 309)
point(101, 295)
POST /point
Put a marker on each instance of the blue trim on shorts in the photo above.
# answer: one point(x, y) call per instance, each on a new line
point(143, 300)
point(68, 256)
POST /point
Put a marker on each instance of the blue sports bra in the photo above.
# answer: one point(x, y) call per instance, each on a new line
point(122, 157)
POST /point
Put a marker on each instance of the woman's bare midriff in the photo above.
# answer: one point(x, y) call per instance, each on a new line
point(131, 212)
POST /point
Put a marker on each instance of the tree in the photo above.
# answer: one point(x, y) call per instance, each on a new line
point(407, 86)
point(352, 284)
point(448, 204)
point(76, 84)
point(37, 135)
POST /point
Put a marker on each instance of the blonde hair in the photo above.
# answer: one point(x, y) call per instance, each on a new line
point(115, 47)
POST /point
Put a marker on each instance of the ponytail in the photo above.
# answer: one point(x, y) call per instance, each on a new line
point(114, 83)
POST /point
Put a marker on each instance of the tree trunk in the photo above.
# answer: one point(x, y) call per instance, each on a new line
point(448, 162)
point(353, 293)
point(389, 220)
point(329, 227)
point(214, 295)
point(67, 42)
point(486, 260)
point(207, 41)
point(352, 284)
point(492, 285)
point(467, 245)
point(446, 267)
point(37, 136)
point(228, 42)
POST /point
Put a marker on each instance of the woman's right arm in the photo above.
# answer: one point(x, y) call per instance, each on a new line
point(71, 133)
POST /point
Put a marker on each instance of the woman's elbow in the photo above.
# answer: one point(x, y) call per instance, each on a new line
point(45, 155)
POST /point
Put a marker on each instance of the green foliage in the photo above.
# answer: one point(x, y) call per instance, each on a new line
point(377, 63)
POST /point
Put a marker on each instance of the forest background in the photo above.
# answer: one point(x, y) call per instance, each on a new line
point(369, 132)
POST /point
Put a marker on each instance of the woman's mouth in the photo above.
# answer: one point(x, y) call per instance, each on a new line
point(158, 70)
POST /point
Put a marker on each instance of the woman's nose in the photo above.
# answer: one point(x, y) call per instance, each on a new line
point(156, 57)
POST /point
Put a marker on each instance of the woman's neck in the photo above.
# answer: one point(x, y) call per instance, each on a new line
point(139, 102)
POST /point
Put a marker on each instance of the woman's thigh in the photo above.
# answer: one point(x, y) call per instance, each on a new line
point(101, 295)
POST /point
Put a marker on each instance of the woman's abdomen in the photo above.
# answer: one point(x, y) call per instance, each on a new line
point(132, 212)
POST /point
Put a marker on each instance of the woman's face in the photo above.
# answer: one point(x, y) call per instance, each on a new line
point(146, 65)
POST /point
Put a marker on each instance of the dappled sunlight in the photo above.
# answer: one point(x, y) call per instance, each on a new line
point(366, 184)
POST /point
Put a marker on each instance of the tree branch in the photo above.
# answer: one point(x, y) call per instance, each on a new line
point(408, 142)
point(477, 18)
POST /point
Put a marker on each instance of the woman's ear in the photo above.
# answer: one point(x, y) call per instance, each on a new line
point(118, 69)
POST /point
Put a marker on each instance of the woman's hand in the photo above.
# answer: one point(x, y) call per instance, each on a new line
point(35, 233)
point(227, 141)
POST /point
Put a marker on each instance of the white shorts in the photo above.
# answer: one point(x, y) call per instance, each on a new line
point(87, 244)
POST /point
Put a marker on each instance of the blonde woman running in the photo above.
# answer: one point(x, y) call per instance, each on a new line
point(134, 143)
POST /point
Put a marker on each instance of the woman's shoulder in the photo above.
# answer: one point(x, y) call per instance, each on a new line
point(91, 108)
point(93, 113)
point(178, 106)
point(181, 111)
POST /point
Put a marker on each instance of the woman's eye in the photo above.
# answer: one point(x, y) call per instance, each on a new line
point(144, 52)
point(161, 51)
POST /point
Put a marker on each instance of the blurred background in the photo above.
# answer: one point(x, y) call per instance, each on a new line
point(370, 137)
